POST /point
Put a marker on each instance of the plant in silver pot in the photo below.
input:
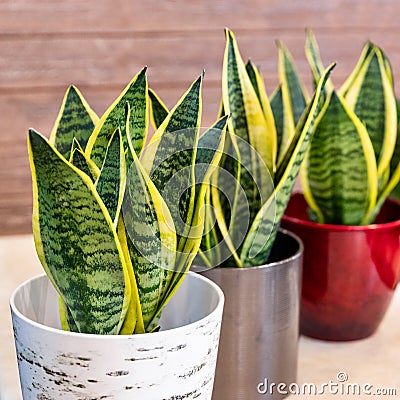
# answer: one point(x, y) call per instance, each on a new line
point(350, 230)
point(105, 224)
point(257, 266)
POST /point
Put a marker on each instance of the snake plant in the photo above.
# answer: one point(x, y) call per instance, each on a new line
point(352, 164)
point(266, 141)
point(104, 225)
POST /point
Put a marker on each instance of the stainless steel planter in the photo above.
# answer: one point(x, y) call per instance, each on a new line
point(260, 324)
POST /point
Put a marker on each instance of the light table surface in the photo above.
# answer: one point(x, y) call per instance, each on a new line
point(374, 362)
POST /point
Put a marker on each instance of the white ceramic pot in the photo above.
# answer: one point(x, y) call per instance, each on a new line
point(176, 363)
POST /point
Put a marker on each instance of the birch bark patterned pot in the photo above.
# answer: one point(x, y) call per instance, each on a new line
point(176, 363)
point(260, 325)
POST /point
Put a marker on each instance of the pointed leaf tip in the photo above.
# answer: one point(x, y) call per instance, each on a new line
point(34, 135)
point(229, 34)
point(329, 70)
point(199, 80)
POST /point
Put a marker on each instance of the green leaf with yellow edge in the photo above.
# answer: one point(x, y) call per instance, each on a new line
point(79, 160)
point(169, 158)
point(209, 253)
point(133, 322)
point(257, 81)
point(250, 148)
point(258, 84)
point(75, 120)
point(294, 98)
point(151, 239)
point(208, 156)
point(76, 241)
point(110, 184)
point(66, 319)
point(371, 96)
point(158, 110)
point(261, 236)
point(340, 174)
point(314, 59)
point(241, 103)
point(234, 203)
point(136, 94)
point(389, 188)
point(352, 78)
point(395, 193)
point(392, 187)
point(276, 102)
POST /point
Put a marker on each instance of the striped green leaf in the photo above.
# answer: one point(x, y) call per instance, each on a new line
point(276, 102)
point(75, 120)
point(241, 102)
point(209, 253)
point(238, 194)
point(158, 110)
point(262, 233)
point(133, 322)
point(66, 319)
point(349, 82)
point(314, 59)
point(371, 97)
point(251, 72)
point(136, 94)
point(257, 81)
point(74, 146)
point(230, 203)
point(151, 241)
point(169, 158)
point(110, 184)
point(208, 156)
point(294, 98)
point(340, 174)
point(251, 123)
point(76, 241)
point(396, 156)
point(389, 189)
point(392, 187)
point(79, 159)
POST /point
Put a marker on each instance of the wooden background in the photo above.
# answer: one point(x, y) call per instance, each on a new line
point(99, 45)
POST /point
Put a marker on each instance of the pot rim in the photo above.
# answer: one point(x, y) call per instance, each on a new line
point(344, 228)
point(276, 264)
point(218, 308)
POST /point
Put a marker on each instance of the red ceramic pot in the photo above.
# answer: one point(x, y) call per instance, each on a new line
point(349, 272)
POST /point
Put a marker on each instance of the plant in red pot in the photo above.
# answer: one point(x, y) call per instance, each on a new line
point(349, 227)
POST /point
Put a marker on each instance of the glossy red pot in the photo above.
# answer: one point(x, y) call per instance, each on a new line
point(349, 272)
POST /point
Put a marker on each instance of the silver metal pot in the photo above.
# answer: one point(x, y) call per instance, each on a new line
point(260, 326)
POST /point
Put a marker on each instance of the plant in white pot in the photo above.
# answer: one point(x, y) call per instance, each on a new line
point(106, 233)
point(350, 230)
point(257, 267)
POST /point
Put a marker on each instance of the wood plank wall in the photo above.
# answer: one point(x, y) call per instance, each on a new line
point(99, 45)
